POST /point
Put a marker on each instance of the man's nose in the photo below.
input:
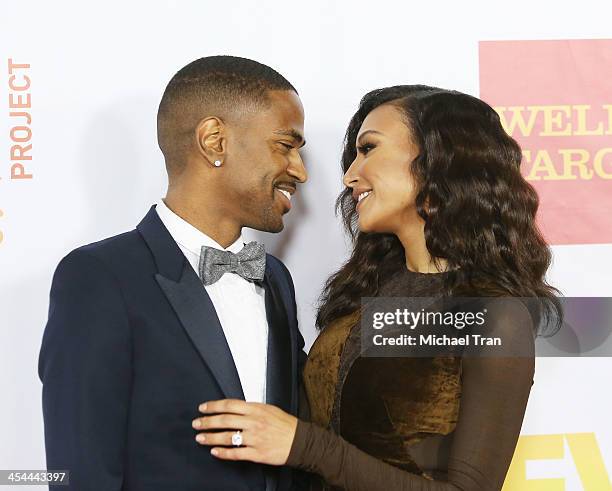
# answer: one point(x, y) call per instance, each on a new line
point(297, 169)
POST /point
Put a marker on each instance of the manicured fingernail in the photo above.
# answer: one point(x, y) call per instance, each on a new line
point(202, 407)
point(214, 451)
point(196, 423)
point(201, 438)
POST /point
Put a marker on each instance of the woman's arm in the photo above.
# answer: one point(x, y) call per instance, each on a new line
point(495, 390)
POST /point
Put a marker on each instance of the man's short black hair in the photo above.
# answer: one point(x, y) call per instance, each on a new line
point(222, 86)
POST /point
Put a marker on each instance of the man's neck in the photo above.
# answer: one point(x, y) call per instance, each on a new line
point(209, 222)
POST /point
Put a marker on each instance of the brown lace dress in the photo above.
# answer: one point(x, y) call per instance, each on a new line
point(442, 423)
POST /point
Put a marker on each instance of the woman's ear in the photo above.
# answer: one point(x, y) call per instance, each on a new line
point(211, 140)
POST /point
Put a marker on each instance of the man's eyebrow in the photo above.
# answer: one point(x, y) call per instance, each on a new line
point(366, 132)
point(296, 135)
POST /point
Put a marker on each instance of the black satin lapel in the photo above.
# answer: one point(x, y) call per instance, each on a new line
point(197, 314)
point(279, 367)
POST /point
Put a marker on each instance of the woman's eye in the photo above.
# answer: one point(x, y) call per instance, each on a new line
point(365, 148)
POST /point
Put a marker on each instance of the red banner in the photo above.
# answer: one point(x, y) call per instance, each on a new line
point(555, 99)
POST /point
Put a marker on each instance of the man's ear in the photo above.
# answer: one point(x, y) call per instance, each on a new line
point(211, 140)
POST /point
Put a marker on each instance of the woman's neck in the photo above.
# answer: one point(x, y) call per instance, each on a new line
point(417, 257)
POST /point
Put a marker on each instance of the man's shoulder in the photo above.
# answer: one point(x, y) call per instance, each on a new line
point(115, 252)
point(114, 244)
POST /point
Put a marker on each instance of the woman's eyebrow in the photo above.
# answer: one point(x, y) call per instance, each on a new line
point(367, 132)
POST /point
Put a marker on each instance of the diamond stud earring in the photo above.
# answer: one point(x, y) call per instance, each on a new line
point(217, 163)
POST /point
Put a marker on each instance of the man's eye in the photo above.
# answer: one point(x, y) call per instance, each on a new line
point(286, 145)
point(365, 148)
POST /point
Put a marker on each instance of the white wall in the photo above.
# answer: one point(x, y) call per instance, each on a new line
point(98, 71)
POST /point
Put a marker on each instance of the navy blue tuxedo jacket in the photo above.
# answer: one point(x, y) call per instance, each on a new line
point(132, 346)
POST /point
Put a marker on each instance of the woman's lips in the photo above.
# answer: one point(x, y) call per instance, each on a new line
point(359, 203)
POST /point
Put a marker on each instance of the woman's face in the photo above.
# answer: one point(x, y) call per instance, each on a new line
point(380, 174)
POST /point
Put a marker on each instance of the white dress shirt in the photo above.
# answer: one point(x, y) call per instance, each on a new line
point(240, 305)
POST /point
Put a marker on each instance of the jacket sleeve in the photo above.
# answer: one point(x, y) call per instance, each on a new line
point(85, 368)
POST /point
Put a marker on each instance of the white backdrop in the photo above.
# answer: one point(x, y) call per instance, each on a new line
point(97, 73)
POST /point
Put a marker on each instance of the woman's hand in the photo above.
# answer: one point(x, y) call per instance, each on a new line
point(267, 431)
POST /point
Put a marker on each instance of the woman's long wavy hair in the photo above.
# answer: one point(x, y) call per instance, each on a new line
point(480, 212)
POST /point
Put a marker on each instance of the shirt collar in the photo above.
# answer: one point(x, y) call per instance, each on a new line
point(187, 235)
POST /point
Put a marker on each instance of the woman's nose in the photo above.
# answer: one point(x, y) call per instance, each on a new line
point(350, 176)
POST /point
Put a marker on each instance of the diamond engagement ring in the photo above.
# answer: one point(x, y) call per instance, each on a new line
point(237, 439)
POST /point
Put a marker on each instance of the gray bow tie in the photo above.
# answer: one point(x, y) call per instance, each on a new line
point(249, 262)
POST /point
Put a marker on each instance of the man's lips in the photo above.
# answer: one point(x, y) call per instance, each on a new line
point(286, 192)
